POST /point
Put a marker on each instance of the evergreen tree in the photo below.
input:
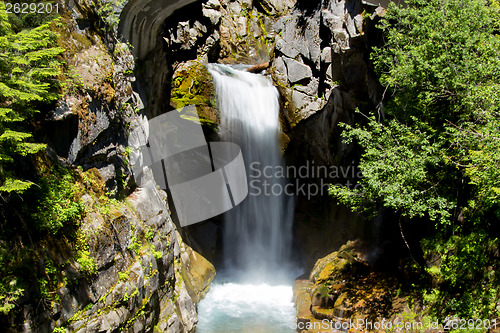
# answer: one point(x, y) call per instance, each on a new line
point(29, 67)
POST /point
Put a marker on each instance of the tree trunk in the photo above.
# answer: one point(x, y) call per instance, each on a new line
point(258, 68)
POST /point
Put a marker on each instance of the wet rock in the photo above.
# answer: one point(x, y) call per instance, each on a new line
point(198, 272)
point(302, 301)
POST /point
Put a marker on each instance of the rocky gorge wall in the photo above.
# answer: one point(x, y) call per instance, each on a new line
point(137, 274)
point(128, 269)
point(322, 69)
point(318, 52)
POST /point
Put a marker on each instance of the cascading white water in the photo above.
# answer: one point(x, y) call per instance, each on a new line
point(256, 282)
point(257, 233)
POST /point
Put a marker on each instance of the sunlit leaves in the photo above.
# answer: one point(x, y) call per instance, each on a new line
point(395, 166)
point(438, 154)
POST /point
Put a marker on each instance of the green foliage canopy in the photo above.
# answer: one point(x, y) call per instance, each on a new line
point(440, 67)
point(433, 152)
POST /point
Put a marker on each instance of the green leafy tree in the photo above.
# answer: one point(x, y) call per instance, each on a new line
point(433, 151)
point(397, 165)
point(440, 65)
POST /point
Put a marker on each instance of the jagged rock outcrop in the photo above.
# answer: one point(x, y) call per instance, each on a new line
point(274, 7)
point(323, 72)
point(142, 274)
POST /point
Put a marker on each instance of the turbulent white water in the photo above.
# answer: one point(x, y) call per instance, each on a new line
point(255, 294)
point(232, 307)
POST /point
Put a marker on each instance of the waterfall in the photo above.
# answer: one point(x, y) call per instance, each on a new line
point(257, 233)
point(253, 293)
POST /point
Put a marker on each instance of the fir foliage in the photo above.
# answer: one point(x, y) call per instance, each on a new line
point(29, 67)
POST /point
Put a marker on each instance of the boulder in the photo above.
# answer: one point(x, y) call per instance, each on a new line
point(304, 105)
point(326, 55)
point(280, 73)
point(331, 21)
point(213, 15)
point(241, 26)
point(311, 88)
point(297, 71)
point(212, 4)
point(302, 34)
point(286, 49)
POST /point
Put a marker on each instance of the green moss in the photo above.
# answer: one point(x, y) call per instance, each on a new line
point(191, 86)
point(123, 276)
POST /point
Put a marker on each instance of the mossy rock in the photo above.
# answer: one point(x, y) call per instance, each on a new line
point(332, 270)
point(192, 85)
point(197, 272)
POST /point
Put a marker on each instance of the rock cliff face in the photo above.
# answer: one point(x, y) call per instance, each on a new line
point(133, 272)
point(322, 69)
point(137, 274)
point(141, 269)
